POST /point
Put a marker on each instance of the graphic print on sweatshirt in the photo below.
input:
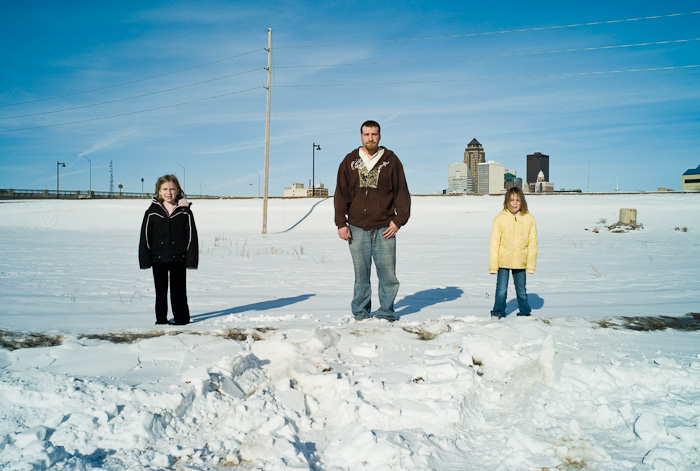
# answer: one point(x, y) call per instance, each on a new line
point(368, 178)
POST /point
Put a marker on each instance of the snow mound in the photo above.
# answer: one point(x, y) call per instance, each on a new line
point(473, 397)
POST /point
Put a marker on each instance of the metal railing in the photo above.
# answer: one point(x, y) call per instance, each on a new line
point(13, 193)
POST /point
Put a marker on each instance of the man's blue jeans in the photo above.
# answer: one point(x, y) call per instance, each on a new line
point(366, 246)
point(499, 307)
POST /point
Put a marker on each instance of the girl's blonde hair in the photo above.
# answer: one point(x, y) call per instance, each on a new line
point(169, 179)
point(515, 191)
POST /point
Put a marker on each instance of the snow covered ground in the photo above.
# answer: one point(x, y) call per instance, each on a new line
point(273, 374)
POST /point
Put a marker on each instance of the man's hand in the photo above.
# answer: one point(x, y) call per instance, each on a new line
point(391, 232)
point(344, 233)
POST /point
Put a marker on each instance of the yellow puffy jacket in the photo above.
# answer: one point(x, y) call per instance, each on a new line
point(513, 242)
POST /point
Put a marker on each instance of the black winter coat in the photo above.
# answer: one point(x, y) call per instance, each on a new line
point(168, 238)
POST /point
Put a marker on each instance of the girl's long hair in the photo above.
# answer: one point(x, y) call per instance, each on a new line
point(169, 179)
point(521, 196)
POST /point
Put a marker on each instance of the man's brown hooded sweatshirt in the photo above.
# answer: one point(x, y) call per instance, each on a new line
point(371, 199)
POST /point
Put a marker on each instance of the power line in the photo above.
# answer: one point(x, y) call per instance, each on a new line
point(358, 64)
point(131, 112)
point(131, 97)
point(493, 33)
point(165, 74)
point(514, 54)
point(517, 77)
point(572, 74)
point(511, 54)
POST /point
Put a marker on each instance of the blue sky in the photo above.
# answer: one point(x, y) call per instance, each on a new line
point(608, 92)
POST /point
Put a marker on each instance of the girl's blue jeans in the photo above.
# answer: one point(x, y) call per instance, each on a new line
point(499, 306)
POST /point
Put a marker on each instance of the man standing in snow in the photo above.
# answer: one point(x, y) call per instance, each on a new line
point(372, 203)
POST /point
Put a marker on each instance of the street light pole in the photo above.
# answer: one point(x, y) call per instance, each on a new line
point(184, 177)
point(90, 191)
point(314, 148)
point(258, 180)
point(58, 165)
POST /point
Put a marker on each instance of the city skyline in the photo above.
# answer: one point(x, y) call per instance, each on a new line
point(179, 87)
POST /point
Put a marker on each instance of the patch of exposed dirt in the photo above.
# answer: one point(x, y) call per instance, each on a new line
point(689, 322)
point(124, 337)
point(16, 340)
point(241, 335)
point(422, 333)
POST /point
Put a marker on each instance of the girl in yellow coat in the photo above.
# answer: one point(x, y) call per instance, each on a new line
point(513, 248)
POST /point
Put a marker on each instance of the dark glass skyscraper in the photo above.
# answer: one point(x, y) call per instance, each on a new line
point(535, 163)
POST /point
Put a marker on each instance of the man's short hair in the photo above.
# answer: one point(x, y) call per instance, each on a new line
point(371, 124)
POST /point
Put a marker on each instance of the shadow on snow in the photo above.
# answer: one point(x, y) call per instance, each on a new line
point(422, 299)
point(534, 300)
point(305, 216)
point(261, 306)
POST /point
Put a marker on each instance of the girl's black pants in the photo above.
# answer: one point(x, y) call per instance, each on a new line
point(178, 292)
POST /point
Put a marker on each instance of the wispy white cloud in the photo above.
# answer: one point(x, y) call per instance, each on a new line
point(427, 103)
point(112, 139)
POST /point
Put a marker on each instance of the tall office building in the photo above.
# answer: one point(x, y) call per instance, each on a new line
point(537, 163)
point(459, 179)
point(490, 178)
point(474, 155)
point(512, 180)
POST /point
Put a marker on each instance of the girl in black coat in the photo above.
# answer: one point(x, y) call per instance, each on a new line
point(169, 245)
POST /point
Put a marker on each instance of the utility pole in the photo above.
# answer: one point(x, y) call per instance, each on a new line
point(267, 127)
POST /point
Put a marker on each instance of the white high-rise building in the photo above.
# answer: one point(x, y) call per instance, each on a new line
point(491, 179)
point(459, 179)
